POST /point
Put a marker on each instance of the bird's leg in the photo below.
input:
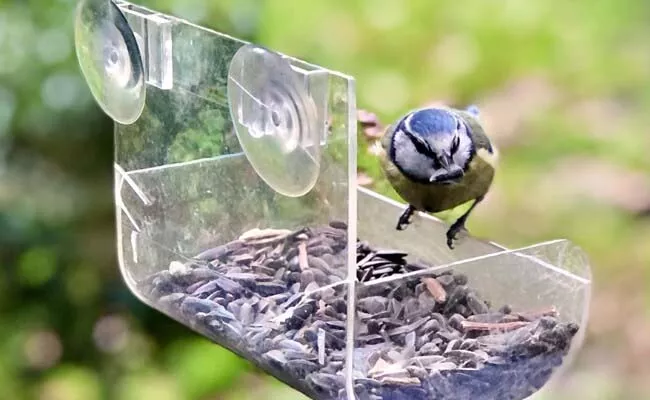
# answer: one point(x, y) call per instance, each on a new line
point(459, 225)
point(405, 218)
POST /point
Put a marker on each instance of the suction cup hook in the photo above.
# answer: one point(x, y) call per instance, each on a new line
point(110, 59)
point(275, 120)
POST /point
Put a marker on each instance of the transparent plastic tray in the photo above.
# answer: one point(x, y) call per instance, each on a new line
point(238, 215)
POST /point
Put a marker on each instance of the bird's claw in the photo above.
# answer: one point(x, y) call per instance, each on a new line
point(454, 232)
point(402, 223)
point(405, 219)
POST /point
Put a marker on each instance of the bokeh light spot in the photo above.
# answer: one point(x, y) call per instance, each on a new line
point(7, 109)
point(454, 55)
point(16, 37)
point(82, 284)
point(385, 14)
point(197, 364)
point(111, 334)
point(37, 266)
point(69, 383)
point(386, 91)
point(61, 91)
point(139, 351)
point(339, 34)
point(43, 350)
point(522, 15)
point(53, 46)
point(149, 386)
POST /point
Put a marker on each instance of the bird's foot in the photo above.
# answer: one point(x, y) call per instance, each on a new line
point(405, 218)
point(455, 232)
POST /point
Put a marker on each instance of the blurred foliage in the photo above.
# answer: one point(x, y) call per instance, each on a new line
point(563, 88)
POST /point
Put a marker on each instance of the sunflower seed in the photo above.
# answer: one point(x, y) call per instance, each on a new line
point(429, 349)
point(338, 225)
point(435, 288)
point(268, 295)
point(246, 314)
point(276, 355)
point(373, 305)
point(476, 305)
point(269, 288)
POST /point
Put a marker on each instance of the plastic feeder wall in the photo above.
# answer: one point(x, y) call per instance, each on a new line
point(238, 215)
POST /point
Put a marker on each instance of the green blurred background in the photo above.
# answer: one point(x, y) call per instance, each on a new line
point(563, 87)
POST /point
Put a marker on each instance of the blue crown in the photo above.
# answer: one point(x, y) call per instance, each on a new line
point(432, 121)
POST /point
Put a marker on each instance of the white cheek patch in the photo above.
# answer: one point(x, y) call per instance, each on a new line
point(400, 141)
point(409, 159)
point(406, 153)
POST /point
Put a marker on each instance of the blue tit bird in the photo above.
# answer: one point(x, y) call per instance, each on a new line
point(437, 158)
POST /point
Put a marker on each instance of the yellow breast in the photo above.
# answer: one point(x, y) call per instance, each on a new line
point(435, 197)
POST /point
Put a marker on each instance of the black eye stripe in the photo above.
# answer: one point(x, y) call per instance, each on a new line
point(455, 144)
point(420, 145)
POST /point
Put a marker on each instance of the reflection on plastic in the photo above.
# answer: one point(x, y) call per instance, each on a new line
point(275, 120)
point(110, 59)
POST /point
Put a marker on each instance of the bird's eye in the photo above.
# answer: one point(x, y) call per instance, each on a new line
point(455, 144)
point(421, 145)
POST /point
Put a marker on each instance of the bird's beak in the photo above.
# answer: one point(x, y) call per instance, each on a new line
point(452, 171)
point(450, 177)
point(446, 162)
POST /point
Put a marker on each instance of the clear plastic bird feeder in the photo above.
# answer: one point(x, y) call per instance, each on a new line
point(238, 215)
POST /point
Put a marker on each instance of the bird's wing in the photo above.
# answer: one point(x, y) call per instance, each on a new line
point(387, 137)
point(484, 146)
point(480, 138)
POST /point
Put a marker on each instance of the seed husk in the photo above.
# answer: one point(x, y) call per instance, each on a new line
point(435, 288)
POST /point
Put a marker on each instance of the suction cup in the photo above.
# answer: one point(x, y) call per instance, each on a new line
point(110, 59)
point(275, 120)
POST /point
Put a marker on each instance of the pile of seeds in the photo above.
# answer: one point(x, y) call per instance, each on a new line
point(279, 299)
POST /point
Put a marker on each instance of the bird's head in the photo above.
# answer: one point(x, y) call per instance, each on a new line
point(432, 145)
